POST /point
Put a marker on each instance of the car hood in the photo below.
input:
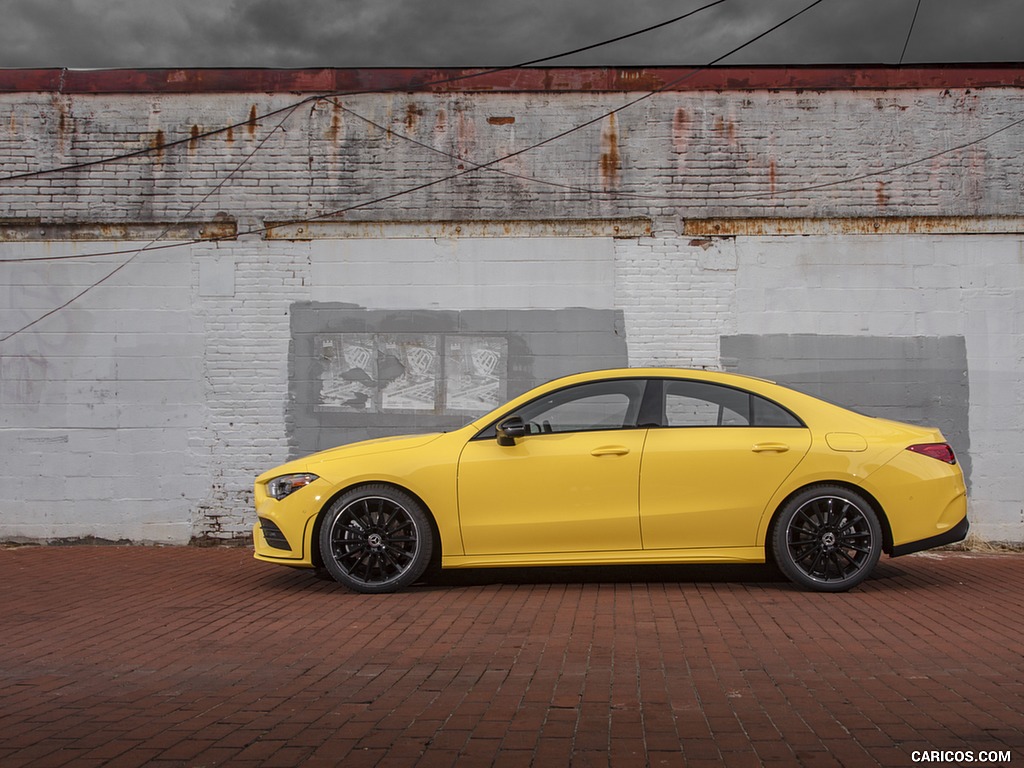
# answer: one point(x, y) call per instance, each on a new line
point(362, 448)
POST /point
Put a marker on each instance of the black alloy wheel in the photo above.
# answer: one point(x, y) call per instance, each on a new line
point(376, 539)
point(827, 538)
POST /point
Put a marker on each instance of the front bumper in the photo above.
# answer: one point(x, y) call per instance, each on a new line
point(283, 528)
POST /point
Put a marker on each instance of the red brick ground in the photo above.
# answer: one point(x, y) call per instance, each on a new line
point(202, 657)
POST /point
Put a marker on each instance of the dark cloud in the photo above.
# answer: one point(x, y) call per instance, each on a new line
point(352, 33)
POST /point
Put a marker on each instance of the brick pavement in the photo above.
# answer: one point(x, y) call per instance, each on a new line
point(202, 657)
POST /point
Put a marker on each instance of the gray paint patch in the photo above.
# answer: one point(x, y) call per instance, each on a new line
point(356, 374)
point(916, 379)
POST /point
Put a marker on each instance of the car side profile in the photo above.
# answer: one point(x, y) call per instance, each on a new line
point(626, 466)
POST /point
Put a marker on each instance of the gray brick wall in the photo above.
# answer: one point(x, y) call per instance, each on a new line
point(144, 410)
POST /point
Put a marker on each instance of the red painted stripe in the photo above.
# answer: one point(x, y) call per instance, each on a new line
point(557, 79)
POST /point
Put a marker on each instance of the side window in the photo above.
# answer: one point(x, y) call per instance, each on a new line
point(768, 414)
point(699, 404)
point(586, 407)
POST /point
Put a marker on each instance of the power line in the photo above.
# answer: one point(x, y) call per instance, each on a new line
point(393, 89)
point(560, 135)
point(287, 114)
point(582, 190)
point(910, 32)
point(489, 165)
point(884, 171)
point(167, 229)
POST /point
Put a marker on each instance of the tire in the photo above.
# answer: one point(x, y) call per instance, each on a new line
point(827, 538)
point(376, 539)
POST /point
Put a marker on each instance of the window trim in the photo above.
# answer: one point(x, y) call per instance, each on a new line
point(652, 407)
point(489, 432)
point(800, 424)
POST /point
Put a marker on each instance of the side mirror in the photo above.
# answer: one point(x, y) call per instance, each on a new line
point(509, 430)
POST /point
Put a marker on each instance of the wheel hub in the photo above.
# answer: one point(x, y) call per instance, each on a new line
point(828, 539)
point(375, 540)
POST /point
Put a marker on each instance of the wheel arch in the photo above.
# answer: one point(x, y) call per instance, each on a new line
point(314, 537)
point(883, 520)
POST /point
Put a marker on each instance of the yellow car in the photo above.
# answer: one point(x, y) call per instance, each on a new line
point(624, 466)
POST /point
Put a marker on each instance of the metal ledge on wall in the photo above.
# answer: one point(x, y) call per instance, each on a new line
point(35, 230)
point(450, 230)
point(869, 225)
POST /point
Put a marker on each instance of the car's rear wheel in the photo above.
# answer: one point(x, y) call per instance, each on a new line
point(376, 538)
point(827, 538)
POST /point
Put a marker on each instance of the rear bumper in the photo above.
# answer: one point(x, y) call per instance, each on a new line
point(957, 533)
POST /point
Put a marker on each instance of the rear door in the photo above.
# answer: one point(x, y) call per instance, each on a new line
point(709, 472)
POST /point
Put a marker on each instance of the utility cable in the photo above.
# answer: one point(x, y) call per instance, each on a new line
point(581, 190)
point(337, 94)
point(884, 171)
point(909, 33)
point(287, 113)
point(151, 243)
point(557, 136)
point(489, 165)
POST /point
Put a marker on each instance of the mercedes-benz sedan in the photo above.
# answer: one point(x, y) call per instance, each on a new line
point(625, 466)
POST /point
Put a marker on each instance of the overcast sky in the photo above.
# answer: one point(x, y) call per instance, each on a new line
point(427, 33)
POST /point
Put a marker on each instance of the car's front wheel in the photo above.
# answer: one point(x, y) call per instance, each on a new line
point(827, 538)
point(376, 538)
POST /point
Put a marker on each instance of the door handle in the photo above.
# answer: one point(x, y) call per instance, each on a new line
point(610, 450)
point(770, 448)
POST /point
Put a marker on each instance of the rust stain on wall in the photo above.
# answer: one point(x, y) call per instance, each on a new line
point(881, 195)
point(250, 126)
point(504, 120)
point(193, 138)
point(413, 113)
point(726, 128)
point(680, 131)
point(465, 134)
point(336, 121)
point(611, 160)
point(157, 144)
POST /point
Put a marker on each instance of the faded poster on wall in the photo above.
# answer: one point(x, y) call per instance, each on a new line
point(348, 381)
point(409, 369)
point(475, 373)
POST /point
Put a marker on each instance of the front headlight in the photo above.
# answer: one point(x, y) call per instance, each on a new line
point(282, 486)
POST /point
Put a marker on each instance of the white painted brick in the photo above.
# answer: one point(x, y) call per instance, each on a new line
point(168, 365)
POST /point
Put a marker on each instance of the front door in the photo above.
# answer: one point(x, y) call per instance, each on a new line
point(570, 485)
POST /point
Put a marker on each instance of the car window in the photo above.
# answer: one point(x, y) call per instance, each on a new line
point(699, 404)
point(768, 414)
point(585, 407)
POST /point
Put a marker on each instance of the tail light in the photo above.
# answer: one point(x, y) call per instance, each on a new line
point(940, 451)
